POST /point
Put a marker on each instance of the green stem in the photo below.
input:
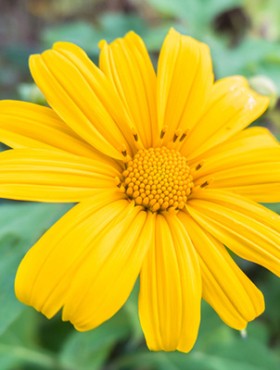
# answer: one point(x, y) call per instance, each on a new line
point(32, 357)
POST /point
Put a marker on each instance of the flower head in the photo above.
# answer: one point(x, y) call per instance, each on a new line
point(165, 173)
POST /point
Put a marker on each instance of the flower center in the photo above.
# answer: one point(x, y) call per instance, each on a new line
point(159, 179)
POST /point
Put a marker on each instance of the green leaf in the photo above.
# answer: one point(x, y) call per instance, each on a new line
point(89, 350)
point(197, 15)
point(275, 207)
point(243, 354)
point(19, 344)
point(218, 348)
point(251, 57)
point(11, 355)
point(21, 224)
point(113, 25)
point(271, 289)
point(7, 362)
point(87, 36)
point(79, 32)
point(131, 311)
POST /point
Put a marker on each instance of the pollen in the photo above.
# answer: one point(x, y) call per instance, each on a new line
point(159, 179)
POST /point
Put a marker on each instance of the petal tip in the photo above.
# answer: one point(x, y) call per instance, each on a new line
point(102, 44)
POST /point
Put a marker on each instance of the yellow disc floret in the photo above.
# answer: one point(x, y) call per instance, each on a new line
point(159, 179)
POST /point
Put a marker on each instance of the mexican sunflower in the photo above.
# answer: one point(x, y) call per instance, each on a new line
point(166, 177)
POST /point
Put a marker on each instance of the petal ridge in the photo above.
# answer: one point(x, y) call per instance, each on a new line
point(170, 289)
point(225, 287)
point(247, 228)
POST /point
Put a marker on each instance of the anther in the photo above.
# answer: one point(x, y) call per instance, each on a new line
point(163, 132)
point(134, 133)
point(126, 157)
point(204, 184)
point(118, 181)
point(119, 184)
point(173, 210)
point(184, 135)
point(175, 137)
point(177, 134)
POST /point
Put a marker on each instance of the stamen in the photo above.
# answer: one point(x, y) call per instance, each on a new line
point(135, 135)
point(204, 184)
point(118, 181)
point(173, 210)
point(198, 167)
point(126, 156)
point(163, 132)
point(184, 135)
point(177, 134)
point(119, 184)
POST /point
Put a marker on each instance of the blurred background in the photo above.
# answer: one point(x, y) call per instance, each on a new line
point(244, 36)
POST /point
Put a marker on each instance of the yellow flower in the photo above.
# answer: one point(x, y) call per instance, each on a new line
point(165, 174)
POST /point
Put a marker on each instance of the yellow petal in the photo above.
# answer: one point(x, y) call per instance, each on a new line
point(185, 77)
point(52, 176)
point(250, 139)
point(247, 164)
point(68, 86)
point(89, 249)
point(170, 289)
point(265, 172)
point(225, 287)
point(266, 193)
point(247, 228)
point(27, 125)
point(108, 274)
point(102, 86)
point(232, 107)
point(126, 62)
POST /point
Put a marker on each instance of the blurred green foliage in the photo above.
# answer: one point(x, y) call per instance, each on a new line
point(244, 36)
